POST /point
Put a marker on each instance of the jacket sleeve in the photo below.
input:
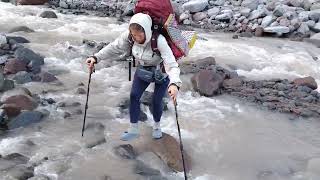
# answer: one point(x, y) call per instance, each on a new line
point(170, 64)
point(117, 49)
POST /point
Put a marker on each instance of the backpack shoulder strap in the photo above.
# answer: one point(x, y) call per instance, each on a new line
point(154, 42)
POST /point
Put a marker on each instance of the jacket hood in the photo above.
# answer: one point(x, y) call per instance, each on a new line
point(145, 21)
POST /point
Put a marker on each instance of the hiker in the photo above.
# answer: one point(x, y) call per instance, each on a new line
point(159, 68)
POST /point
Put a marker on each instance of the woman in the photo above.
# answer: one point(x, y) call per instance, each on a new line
point(141, 33)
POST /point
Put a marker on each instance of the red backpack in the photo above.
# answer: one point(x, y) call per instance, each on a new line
point(159, 11)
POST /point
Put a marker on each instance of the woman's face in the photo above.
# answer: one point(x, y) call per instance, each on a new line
point(138, 36)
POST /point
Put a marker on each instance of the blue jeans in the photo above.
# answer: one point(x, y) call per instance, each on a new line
point(138, 87)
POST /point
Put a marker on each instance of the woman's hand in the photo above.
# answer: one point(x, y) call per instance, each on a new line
point(173, 91)
point(90, 62)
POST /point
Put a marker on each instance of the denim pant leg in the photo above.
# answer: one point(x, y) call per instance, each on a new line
point(138, 87)
point(159, 92)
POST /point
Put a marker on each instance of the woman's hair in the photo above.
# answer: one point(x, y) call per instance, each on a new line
point(136, 27)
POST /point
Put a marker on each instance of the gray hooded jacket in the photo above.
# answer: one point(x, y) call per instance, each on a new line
point(143, 52)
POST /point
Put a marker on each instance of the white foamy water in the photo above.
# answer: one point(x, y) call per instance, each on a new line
point(226, 138)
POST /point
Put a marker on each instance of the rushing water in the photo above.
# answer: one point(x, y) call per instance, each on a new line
point(227, 139)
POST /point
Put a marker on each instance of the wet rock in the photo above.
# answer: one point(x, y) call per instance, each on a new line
point(11, 110)
point(16, 158)
point(31, 2)
point(93, 135)
point(207, 82)
point(307, 81)
point(232, 83)
point(26, 55)
point(24, 102)
point(168, 149)
point(13, 66)
point(66, 115)
point(196, 66)
point(47, 77)
point(25, 118)
point(144, 170)
point(304, 89)
point(21, 28)
point(81, 91)
point(18, 39)
point(22, 77)
point(39, 177)
point(48, 14)
point(125, 151)
point(20, 172)
point(8, 85)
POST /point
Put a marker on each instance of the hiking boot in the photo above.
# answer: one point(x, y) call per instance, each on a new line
point(132, 133)
point(128, 136)
point(157, 133)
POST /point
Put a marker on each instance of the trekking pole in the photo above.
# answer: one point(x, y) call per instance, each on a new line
point(181, 145)
point(91, 70)
point(130, 62)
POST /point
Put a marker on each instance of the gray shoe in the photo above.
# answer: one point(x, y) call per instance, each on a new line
point(157, 133)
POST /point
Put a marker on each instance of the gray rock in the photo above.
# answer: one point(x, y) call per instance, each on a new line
point(94, 135)
point(144, 170)
point(252, 4)
point(314, 15)
point(219, 2)
point(295, 23)
point(195, 5)
point(304, 28)
point(199, 16)
point(279, 11)
point(259, 13)
point(304, 16)
point(8, 85)
point(277, 29)
point(81, 91)
point(17, 39)
point(184, 16)
point(22, 77)
point(21, 28)
point(311, 23)
point(125, 151)
point(207, 83)
point(266, 21)
point(3, 40)
point(290, 15)
point(296, 3)
point(24, 119)
point(284, 22)
point(315, 6)
point(315, 36)
point(213, 11)
point(245, 12)
point(48, 14)
point(304, 89)
point(19, 172)
point(316, 27)
point(63, 4)
point(26, 55)
point(224, 17)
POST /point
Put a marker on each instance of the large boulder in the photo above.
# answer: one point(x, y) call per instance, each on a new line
point(307, 81)
point(207, 82)
point(195, 5)
point(167, 149)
